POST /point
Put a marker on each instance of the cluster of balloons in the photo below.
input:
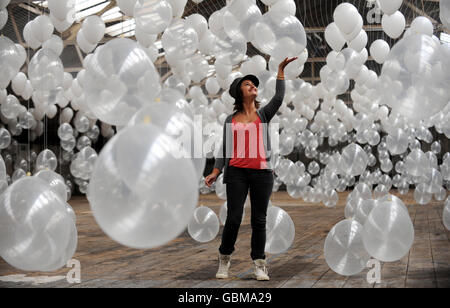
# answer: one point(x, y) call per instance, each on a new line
point(375, 227)
point(38, 231)
point(62, 13)
point(118, 80)
point(91, 32)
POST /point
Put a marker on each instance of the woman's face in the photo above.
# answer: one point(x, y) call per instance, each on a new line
point(249, 90)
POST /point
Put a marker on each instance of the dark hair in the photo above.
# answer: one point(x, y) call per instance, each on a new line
point(238, 102)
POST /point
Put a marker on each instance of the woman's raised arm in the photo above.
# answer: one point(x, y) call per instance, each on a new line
point(272, 107)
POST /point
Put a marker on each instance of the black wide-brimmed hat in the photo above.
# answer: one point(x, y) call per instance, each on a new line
point(236, 84)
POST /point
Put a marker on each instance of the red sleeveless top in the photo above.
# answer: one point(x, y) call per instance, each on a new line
point(248, 145)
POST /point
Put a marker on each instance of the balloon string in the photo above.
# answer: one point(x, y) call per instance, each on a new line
point(28, 105)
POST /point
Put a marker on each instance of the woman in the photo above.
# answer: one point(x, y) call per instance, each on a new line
point(246, 161)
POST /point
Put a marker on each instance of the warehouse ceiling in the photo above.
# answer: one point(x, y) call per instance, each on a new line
point(315, 15)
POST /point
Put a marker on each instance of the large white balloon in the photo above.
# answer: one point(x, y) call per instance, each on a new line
point(180, 40)
point(280, 35)
point(419, 68)
point(388, 231)
point(46, 71)
point(35, 228)
point(131, 192)
point(117, 84)
point(393, 25)
point(280, 230)
point(344, 249)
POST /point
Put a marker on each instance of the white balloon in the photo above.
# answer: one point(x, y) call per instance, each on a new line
point(153, 16)
point(28, 91)
point(334, 37)
point(3, 18)
point(54, 43)
point(4, 3)
point(93, 29)
point(29, 36)
point(286, 6)
point(127, 6)
point(85, 46)
point(379, 50)
point(344, 250)
point(204, 225)
point(359, 42)
point(212, 86)
point(345, 17)
point(422, 25)
point(60, 8)
point(199, 23)
point(42, 28)
point(18, 83)
point(68, 79)
point(215, 22)
point(446, 214)
point(177, 7)
point(444, 13)
point(207, 44)
point(394, 24)
point(356, 30)
point(51, 112)
point(153, 52)
point(22, 54)
point(144, 38)
point(390, 6)
point(61, 24)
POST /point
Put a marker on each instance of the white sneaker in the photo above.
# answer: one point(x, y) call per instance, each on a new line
point(260, 272)
point(224, 265)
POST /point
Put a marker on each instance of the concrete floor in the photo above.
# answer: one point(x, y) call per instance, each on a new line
point(184, 262)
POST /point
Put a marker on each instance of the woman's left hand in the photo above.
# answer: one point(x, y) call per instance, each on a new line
point(285, 62)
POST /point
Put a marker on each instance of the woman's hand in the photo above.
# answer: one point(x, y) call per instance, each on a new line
point(282, 66)
point(210, 179)
point(285, 62)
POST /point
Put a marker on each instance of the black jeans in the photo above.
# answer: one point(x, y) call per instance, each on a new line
point(260, 184)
